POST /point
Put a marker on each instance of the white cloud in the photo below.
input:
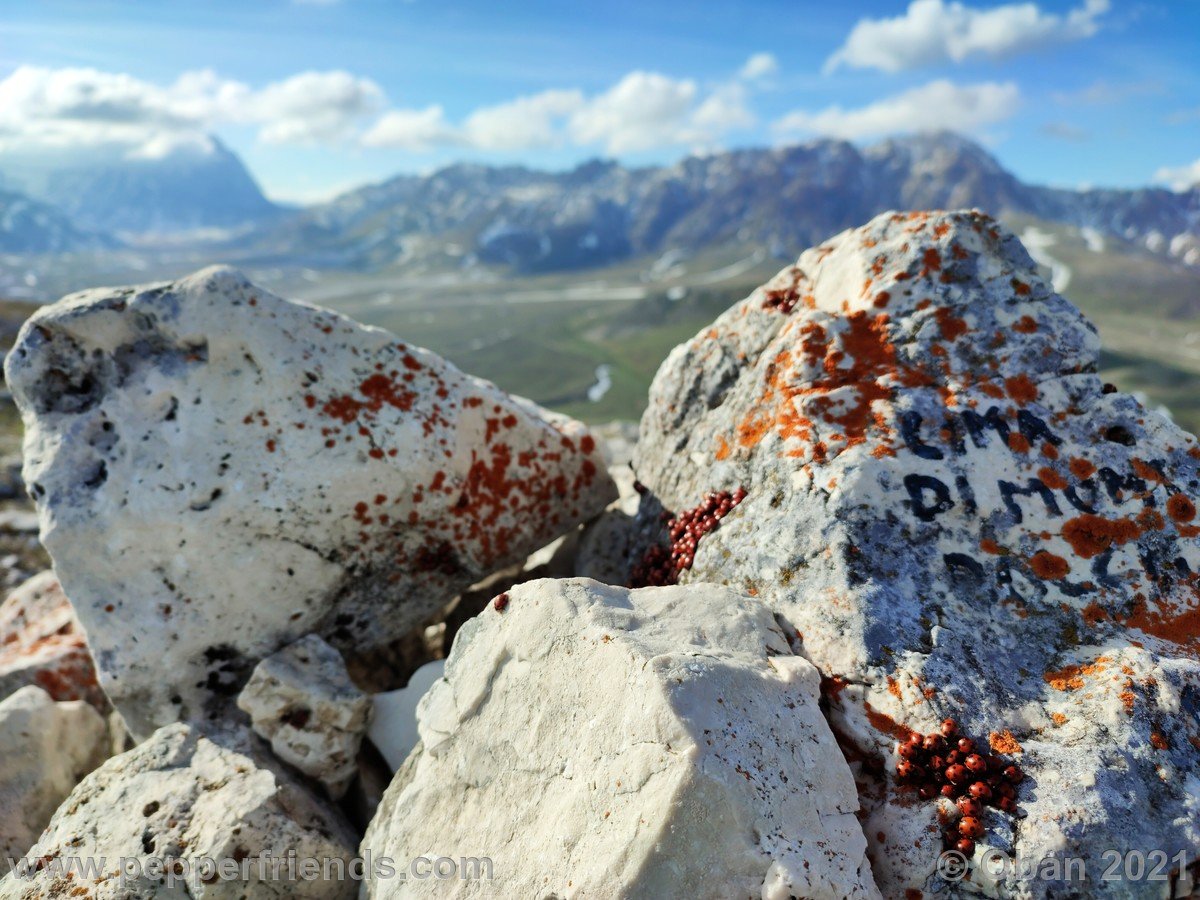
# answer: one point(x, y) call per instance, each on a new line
point(524, 123)
point(412, 129)
point(1179, 178)
point(642, 111)
point(71, 108)
point(760, 65)
point(934, 106)
point(934, 31)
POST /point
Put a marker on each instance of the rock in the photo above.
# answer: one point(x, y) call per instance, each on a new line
point(394, 728)
point(302, 700)
point(960, 520)
point(244, 470)
point(182, 798)
point(594, 741)
point(42, 643)
point(45, 749)
point(20, 521)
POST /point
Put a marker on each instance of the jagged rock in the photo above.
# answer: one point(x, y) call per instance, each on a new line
point(243, 470)
point(593, 741)
point(394, 728)
point(183, 798)
point(960, 520)
point(302, 700)
point(45, 749)
point(42, 643)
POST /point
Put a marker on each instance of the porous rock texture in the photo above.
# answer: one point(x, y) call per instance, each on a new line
point(597, 742)
point(42, 643)
point(176, 800)
point(45, 749)
point(302, 700)
point(231, 471)
point(958, 519)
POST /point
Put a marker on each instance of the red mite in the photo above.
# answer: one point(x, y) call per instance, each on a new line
point(945, 764)
point(500, 603)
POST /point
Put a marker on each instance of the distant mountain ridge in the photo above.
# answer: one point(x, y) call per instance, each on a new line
point(781, 199)
point(190, 190)
point(29, 226)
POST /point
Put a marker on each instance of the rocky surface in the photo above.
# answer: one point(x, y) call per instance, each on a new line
point(181, 797)
point(593, 741)
point(42, 643)
point(956, 518)
point(394, 727)
point(45, 749)
point(302, 700)
point(231, 471)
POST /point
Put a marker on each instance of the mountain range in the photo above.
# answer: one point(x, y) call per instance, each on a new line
point(779, 199)
point(528, 221)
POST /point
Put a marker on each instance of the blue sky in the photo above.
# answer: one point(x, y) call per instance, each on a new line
point(320, 96)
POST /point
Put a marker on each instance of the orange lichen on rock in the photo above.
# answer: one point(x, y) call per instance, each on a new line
point(1081, 468)
point(1181, 628)
point(886, 724)
point(1090, 535)
point(1021, 388)
point(1048, 566)
point(1070, 678)
point(1004, 742)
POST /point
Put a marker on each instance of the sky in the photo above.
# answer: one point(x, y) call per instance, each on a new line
point(319, 96)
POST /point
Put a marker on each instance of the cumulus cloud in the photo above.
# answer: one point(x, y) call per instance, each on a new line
point(1179, 178)
point(79, 107)
point(524, 123)
point(641, 111)
point(934, 31)
point(934, 106)
point(412, 129)
point(760, 65)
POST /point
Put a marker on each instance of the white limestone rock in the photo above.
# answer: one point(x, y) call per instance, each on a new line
point(45, 749)
point(597, 742)
point(182, 798)
point(302, 700)
point(394, 727)
point(42, 643)
point(958, 519)
point(225, 471)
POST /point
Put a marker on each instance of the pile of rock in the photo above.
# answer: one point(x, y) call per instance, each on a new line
point(888, 505)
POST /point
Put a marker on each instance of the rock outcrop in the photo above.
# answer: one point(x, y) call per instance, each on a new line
point(592, 741)
point(42, 643)
point(45, 749)
point(958, 519)
point(227, 471)
point(302, 700)
point(153, 819)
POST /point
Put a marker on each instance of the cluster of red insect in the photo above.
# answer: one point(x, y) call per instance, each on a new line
point(945, 764)
point(661, 565)
point(782, 299)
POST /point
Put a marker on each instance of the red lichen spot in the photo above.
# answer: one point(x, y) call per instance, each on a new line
point(1021, 288)
point(881, 299)
point(1021, 388)
point(1159, 741)
point(932, 259)
point(1026, 325)
point(1047, 566)
point(500, 603)
point(1049, 450)
point(723, 450)
point(987, 545)
point(1090, 535)
point(1094, 614)
point(1181, 508)
point(1017, 442)
point(951, 326)
point(587, 443)
point(270, 446)
point(1081, 468)
point(1145, 471)
point(1051, 479)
